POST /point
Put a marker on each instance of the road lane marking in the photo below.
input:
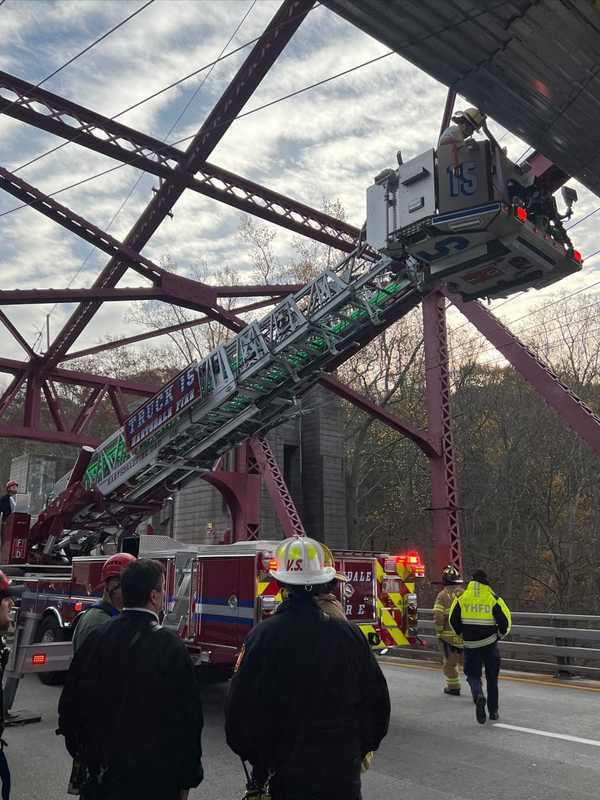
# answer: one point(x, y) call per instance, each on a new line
point(548, 734)
point(515, 678)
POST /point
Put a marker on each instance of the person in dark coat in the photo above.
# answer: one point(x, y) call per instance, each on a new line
point(8, 593)
point(131, 707)
point(7, 501)
point(308, 701)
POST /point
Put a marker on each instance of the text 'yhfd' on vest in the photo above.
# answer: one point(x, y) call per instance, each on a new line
point(483, 617)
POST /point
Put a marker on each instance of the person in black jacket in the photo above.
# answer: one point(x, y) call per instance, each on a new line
point(308, 701)
point(131, 707)
point(8, 592)
point(7, 501)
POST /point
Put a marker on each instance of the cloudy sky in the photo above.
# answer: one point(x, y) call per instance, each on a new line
point(324, 144)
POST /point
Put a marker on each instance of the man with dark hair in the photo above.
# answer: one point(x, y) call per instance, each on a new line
point(481, 618)
point(308, 702)
point(131, 706)
point(8, 501)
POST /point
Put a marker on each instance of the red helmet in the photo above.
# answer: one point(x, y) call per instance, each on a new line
point(114, 566)
point(11, 483)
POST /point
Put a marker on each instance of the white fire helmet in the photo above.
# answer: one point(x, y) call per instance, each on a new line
point(303, 562)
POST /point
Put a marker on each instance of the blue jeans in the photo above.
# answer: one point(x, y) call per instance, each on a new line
point(475, 659)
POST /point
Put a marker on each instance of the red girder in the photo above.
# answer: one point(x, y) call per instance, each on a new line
point(76, 123)
point(559, 396)
point(185, 292)
point(74, 377)
point(53, 405)
point(140, 337)
point(16, 335)
point(265, 52)
point(12, 391)
point(13, 431)
point(420, 438)
point(444, 510)
point(17, 297)
point(90, 407)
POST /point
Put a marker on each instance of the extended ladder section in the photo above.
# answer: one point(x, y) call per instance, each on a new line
point(246, 387)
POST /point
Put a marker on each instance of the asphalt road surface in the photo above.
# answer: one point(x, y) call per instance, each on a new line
point(549, 747)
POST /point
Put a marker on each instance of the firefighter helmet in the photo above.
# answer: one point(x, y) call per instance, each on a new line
point(473, 116)
point(114, 566)
point(451, 575)
point(303, 562)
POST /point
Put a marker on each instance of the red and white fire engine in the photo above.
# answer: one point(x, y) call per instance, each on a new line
point(215, 595)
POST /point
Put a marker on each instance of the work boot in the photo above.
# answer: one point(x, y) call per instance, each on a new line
point(480, 709)
point(452, 690)
point(494, 715)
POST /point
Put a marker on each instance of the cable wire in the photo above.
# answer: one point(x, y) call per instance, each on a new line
point(266, 105)
point(86, 49)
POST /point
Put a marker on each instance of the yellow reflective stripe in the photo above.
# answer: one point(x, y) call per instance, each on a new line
point(379, 573)
point(481, 642)
point(262, 587)
point(396, 599)
point(479, 620)
point(398, 637)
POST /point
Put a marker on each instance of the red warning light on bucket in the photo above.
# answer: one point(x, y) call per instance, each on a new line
point(39, 659)
point(577, 256)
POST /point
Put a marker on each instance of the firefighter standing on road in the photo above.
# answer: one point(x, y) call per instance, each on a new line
point(450, 645)
point(112, 599)
point(481, 617)
point(308, 700)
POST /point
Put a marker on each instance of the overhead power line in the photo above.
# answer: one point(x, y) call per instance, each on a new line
point(87, 49)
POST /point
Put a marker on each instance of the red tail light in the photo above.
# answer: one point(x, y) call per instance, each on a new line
point(273, 564)
point(577, 256)
point(78, 607)
point(39, 659)
point(520, 213)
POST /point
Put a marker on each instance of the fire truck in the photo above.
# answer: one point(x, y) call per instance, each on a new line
point(477, 225)
point(214, 595)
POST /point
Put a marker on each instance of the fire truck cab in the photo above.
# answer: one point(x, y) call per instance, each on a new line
point(468, 217)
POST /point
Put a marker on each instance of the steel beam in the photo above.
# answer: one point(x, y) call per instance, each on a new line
point(11, 391)
point(78, 124)
point(557, 395)
point(51, 437)
point(183, 291)
point(19, 297)
point(420, 438)
point(16, 335)
point(444, 507)
point(73, 377)
point(90, 407)
point(264, 54)
point(53, 405)
point(99, 348)
point(33, 398)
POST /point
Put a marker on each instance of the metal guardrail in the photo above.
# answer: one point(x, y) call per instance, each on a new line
point(557, 644)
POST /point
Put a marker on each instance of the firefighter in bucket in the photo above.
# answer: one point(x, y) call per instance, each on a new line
point(307, 690)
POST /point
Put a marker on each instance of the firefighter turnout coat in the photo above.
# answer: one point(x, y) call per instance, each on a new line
point(441, 613)
point(479, 616)
point(308, 701)
point(131, 704)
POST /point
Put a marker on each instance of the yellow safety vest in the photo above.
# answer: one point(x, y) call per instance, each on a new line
point(477, 609)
